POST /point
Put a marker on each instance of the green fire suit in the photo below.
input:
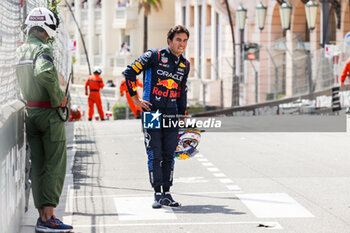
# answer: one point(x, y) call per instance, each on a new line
point(38, 81)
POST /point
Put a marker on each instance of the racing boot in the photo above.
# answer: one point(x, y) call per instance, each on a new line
point(157, 201)
point(168, 200)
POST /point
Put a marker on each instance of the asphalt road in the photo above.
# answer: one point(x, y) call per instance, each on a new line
point(240, 182)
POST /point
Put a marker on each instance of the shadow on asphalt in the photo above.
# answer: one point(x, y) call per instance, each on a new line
point(94, 214)
point(205, 209)
point(82, 153)
point(123, 188)
point(85, 142)
point(206, 196)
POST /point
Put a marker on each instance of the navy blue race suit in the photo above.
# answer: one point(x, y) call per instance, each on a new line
point(164, 86)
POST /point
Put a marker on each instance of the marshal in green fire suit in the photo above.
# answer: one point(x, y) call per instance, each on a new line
point(39, 84)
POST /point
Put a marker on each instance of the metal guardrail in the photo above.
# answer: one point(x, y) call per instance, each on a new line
point(320, 102)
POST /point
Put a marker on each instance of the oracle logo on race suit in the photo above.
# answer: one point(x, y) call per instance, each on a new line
point(169, 75)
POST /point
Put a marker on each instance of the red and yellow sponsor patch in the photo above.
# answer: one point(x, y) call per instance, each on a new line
point(138, 64)
point(182, 65)
point(135, 68)
point(132, 85)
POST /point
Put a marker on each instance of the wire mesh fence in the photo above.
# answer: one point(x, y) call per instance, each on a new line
point(35, 3)
point(291, 70)
point(12, 14)
point(62, 55)
point(10, 22)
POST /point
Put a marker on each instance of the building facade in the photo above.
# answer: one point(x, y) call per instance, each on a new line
point(108, 24)
point(291, 62)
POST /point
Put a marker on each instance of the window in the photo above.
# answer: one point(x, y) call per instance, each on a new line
point(97, 44)
point(192, 16)
point(183, 15)
point(217, 35)
point(332, 27)
point(200, 40)
point(217, 42)
point(208, 16)
point(208, 68)
point(191, 74)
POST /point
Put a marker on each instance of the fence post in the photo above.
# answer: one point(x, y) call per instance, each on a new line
point(222, 94)
point(309, 64)
point(295, 77)
point(256, 87)
point(256, 82)
point(309, 72)
point(275, 94)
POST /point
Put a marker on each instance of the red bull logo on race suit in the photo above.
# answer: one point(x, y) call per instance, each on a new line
point(169, 84)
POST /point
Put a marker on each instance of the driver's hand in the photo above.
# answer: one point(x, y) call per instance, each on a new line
point(143, 104)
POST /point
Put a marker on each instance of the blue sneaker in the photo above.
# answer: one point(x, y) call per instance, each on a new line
point(52, 225)
point(157, 200)
point(168, 200)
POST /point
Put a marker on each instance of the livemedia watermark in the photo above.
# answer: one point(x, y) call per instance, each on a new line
point(157, 120)
point(260, 123)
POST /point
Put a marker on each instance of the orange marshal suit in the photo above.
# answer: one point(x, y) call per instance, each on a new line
point(123, 88)
point(94, 83)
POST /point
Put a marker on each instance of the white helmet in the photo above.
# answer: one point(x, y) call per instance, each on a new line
point(44, 18)
point(97, 70)
point(74, 108)
point(187, 144)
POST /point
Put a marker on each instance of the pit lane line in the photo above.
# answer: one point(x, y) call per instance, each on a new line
point(268, 225)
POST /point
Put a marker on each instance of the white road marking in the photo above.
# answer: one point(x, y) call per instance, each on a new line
point(213, 169)
point(70, 199)
point(219, 174)
point(140, 208)
point(199, 156)
point(233, 187)
point(190, 180)
point(226, 181)
point(207, 164)
point(202, 160)
point(69, 205)
point(274, 205)
point(142, 195)
point(273, 225)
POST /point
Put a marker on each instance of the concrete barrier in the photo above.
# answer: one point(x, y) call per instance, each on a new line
point(12, 166)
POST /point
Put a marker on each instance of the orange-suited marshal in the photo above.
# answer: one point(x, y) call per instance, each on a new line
point(94, 84)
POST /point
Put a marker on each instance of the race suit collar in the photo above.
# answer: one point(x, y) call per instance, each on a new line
point(33, 37)
point(173, 57)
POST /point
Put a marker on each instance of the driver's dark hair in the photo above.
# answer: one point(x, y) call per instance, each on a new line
point(177, 29)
